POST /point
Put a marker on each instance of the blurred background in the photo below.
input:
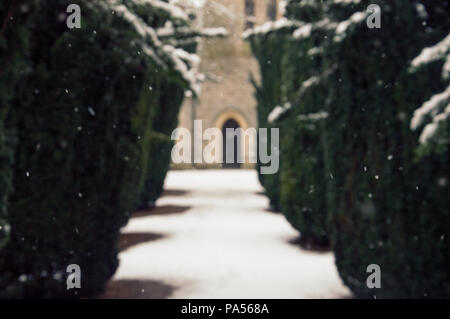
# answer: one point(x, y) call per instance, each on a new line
point(92, 91)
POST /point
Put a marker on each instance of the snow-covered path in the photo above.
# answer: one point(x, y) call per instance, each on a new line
point(212, 237)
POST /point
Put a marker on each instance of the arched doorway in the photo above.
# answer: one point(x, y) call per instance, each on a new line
point(227, 140)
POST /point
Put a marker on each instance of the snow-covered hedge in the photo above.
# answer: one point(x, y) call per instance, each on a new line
point(434, 115)
point(385, 205)
point(291, 72)
point(83, 113)
point(164, 122)
point(268, 50)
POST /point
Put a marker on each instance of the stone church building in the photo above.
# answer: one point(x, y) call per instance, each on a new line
point(227, 96)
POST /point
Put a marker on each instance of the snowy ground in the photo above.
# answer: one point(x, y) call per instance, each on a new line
point(212, 237)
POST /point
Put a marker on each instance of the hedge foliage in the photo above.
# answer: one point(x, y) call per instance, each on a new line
point(9, 43)
point(303, 176)
point(83, 114)
point(159, 163)
point(267, 94)
point(285, 64)
point(387, 206)
point(161, 144)
point(5, 184)
point(385, 190)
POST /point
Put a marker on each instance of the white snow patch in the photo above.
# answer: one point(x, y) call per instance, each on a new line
point(430, 130)
point(345, 2)
point(192, 3)
point(170, 31)
point(446, 68)
point(432, 107)
point(314, 51)
point(271, 26)
point(214, 32)
point(282, 7)
point(423, 14)
point(305, 30)
point(313, 116)
point(438, 107)
point(169, 7)
point(226, 245)
point(436, 52)
point(344, 26)
point(277, 112)
point(185, 63)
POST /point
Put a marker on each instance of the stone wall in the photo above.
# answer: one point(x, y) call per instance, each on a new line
point(227, 64)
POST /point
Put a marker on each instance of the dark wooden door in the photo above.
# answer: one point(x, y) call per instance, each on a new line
point(232, 124)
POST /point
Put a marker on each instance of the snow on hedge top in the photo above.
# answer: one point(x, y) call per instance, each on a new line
point(436, 52)
point(315, 51)
point(173, 10)
point(314, 80)
point(437, 108)
point(169, 31)
point(271, 26)
point(345, 2)
point(308, 3)
point(306, 29)
point(421, 11)
point(313, 116)
point(340, 29)
point(277, 112)
point(185, 63)
point(214, 32)
point(282, 6)
point(343, 27)
point(191, 3)
point(446, 68)
point(430, 108)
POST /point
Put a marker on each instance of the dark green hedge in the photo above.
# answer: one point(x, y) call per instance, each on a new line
point(303, 176)
point(158, 166)
point(303, 183)
point(82, 115)
point(5, 184)
point(386, 205)
point(268, 94)
point(13, 43)
point(386, 196)
point(171, 97)
point(285, 63)
point(5, 150)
